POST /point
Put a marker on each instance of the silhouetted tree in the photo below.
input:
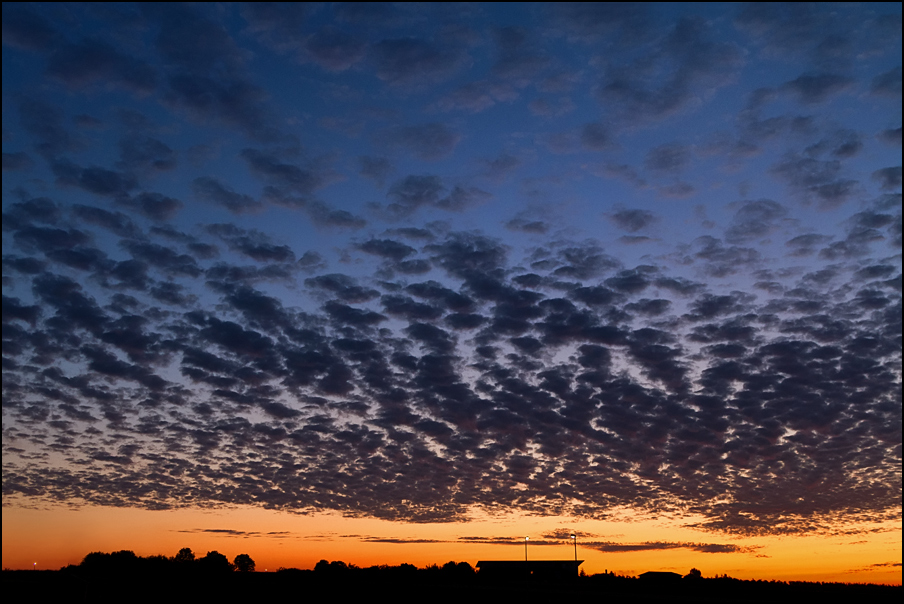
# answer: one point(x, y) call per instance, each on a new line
point(185, 556)
point(123, 561)
point(215, 563)
point(243, 563)
point(457, 571)
point(95, 561)
point(334, 569)
point(694, 574)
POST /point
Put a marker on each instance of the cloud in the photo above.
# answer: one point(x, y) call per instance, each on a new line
point(212, 190)
point(841, 144)
point(594, 21)
point(115, 222)
point(888, 83)
point(527, 226)
point(889, 179)
point(277, 25)
point(343, 287)
point(398, 540)
point(720, 261)
point(94, 179)
point(595, 137)
point(251, 243)
point(811, 88)
point(706, 548)
point(37, 209)
point(90, 61)
point(45, 123)
point(414, 61)
point(501, 167)
point(268, 167)
point(375, 168)
point(425, 141)
point(818, 180)
point(13, 310)
point(623, 172)
point(567, 534)
point(891, 136)
point(387, 248)
point(204, 71)
point(335, 50)
point(145, 154)
point(632, 220)
point(755, 219)
point(688, 56)
point(236, 533)
point(668, 158)
point(16, 161)
point(321, 214)
point(22, 28)
point(804, 245)
point(547, 107)
point(414, 192)
point(338, 354)
point(152, 205)
point(680, 190)
point(475, 97)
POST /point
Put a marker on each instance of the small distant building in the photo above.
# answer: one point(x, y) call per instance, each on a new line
point(659, 577)
point(542, 570)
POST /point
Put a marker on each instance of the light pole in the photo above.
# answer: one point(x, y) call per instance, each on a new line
point(526, 539)
point(574, 538)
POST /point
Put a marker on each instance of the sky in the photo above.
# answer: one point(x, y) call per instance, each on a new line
point(409, 282)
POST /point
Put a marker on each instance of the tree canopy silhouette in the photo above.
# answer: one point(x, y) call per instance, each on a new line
point(185, 556)
point(693, 574)
point(243, 563)
point(215, 563)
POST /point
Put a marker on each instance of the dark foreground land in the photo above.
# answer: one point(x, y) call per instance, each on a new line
point(401, 584)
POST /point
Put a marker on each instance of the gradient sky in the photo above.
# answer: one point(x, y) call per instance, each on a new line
point(406, 283)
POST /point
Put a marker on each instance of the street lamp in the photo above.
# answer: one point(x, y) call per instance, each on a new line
point(574, 538)
point(526, 539)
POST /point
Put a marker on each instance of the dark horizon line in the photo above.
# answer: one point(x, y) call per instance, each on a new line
point(130, 562)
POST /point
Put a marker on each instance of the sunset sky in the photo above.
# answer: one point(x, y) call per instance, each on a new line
point(409, 283)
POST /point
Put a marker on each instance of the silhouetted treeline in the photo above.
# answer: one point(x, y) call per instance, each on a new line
point(123, 576)
point(183, 563)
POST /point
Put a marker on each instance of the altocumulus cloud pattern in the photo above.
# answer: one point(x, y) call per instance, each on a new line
point(413, 262)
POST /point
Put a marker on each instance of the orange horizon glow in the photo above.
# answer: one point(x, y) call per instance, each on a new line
point(53, 537)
